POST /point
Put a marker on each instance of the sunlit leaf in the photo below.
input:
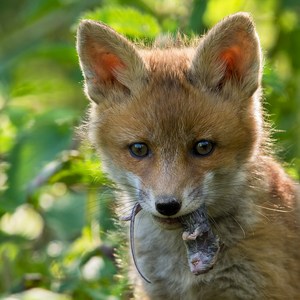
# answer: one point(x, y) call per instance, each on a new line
point(126, 20)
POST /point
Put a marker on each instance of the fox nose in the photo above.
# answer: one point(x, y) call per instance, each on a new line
point(167, 206)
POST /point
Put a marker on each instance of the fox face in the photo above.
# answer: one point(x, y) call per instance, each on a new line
point(176, 127)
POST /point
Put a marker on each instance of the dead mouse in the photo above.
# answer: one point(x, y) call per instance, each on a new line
point(201, 243)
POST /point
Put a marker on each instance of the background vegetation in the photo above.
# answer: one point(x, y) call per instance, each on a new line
point(55, 210)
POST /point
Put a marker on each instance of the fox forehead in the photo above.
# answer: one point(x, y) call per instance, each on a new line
point(168, 62)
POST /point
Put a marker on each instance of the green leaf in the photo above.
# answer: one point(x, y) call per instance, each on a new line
point(35, 146)
point(127, 21)
point(67, 216)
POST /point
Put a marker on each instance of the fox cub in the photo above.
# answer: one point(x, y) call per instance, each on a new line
point(179, 127)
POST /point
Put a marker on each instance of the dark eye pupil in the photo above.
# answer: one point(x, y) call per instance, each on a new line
point(139, 150)
point(203, 148)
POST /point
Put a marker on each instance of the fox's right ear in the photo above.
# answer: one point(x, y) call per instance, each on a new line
point(111, 65)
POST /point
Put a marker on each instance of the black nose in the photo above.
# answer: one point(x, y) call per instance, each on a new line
point(167, 207)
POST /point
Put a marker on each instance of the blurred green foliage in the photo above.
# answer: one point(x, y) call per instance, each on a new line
point(55, 204)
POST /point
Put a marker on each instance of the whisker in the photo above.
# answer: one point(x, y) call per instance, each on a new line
point(263, 215)
point(238, 223)
point(216, 225)
point(275, 209)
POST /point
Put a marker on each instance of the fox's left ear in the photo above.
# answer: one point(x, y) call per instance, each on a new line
point(228, 59)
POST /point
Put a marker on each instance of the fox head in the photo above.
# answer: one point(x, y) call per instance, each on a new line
point(176, 127)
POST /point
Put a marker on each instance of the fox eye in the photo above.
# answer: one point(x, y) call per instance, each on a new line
point(203, 148)
point(139, 150)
